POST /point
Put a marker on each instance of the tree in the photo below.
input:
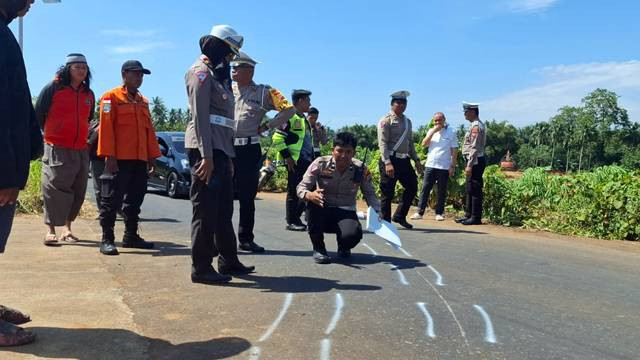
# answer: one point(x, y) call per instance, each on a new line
point(159, 113)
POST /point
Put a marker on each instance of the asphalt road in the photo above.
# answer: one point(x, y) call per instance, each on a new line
point(454, 293)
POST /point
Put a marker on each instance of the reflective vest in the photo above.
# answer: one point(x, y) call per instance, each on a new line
point(288, 140)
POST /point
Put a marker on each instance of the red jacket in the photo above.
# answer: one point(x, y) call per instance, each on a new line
point(64, 115)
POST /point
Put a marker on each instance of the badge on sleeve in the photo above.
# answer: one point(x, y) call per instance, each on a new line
point(106, 105)
point(278, 100)
point(202, 76)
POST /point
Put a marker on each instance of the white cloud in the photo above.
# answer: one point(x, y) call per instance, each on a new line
point(128, 33)
point(529, 6)
point(566, 85)
point(139, 48)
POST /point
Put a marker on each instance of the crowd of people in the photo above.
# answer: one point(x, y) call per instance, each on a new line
point(224, 153)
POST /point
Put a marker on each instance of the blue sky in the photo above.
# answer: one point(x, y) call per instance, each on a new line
point(521, 59)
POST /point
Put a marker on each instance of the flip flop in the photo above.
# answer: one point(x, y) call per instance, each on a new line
point(13, 316)
point(50, 240)
point(12, 335)
point(69, 238)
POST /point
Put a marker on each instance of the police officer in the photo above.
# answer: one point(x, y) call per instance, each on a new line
point(330, 186)
point(473, 151)
point(396, 151)
point(209, 141)
point(127, 141)
point(318, 131)
point(253, 101)
point(294, 143)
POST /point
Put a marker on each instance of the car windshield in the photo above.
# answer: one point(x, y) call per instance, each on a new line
point(178, 143)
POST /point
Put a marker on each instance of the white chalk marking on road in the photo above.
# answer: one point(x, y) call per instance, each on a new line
point(336, 314)
point(370, 249)
point(430, 332)
point(401, 277)
point(402, 250)
point(446, 303)
point(438, 276)
point(489, 334)
point(325, 349)
point(254, 353)
point(283, 311)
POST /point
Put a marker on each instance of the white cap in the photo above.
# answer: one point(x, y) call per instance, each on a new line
point(227, 34)
point(468, 105)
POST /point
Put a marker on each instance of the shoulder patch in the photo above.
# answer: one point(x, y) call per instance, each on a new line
point(202, 75)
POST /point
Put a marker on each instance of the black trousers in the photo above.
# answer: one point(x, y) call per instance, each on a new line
point(333, 220)
point(295, 206)
point(211, 227)
point(245, 180)
point(97, 168)
point(473, 186)
point(434, 176)
point(403, 172)
point(126, 190)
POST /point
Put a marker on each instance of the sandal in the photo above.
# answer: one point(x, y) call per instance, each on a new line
point(12, 335)
point(69, 238)
point(50, 240)
point(13, 316)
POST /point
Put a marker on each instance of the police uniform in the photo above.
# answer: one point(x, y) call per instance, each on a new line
point(295, 140)
point(339, 212)
point(473, 152)
point(210, 134)
point(252, 102)
point(125, 133)
point(395, 141)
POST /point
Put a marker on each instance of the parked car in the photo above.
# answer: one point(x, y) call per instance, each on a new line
point(172, 173)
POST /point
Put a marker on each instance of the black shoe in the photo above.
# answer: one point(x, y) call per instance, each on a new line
point(135, 241)
point(344, 253)
point(296, 227)
point(210, 277)
point(108, 247)
point(321, 258)
point(251, 246)
point(237, 269)
point(459, 220)
point(472, 221)
point(404, 223)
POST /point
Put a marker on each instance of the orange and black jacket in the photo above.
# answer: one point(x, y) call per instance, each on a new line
point(126, 131)
point(64, 114)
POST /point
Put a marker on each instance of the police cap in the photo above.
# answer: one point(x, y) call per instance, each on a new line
point(467, 105)
point(400, 95)
point(243, 58)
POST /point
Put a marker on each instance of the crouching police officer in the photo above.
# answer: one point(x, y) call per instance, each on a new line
point(128, 142)
point(395, 141)
point(252, 103)
point(330, 186)
point(209, 140)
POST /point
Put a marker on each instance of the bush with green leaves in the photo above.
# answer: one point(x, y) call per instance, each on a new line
point(30, 199)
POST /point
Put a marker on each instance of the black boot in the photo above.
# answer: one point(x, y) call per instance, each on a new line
point(251, 246)
point(209, 276)
point(136, 242)
point(108, 247)
point(472, 221)
point(320, 255)
point(344, 253)
point(404, 223)
point(234, 269)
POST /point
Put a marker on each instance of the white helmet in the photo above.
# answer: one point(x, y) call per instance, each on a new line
point(227, 34)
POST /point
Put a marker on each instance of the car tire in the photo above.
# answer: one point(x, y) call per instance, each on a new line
point(172, 185)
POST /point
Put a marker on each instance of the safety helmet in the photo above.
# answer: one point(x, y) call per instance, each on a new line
point(227, 34)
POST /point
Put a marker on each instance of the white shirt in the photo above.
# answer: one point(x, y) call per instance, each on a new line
point(439, 155)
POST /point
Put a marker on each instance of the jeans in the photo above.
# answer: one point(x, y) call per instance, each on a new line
point(434, 176)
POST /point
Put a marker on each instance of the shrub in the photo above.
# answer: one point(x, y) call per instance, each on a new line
point(30, 199)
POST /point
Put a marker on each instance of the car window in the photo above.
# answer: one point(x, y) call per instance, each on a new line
point(179, 146)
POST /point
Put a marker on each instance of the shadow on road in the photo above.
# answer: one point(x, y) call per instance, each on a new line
point(357, 259)
point(92, 344)
point(297, 284)
point(165, 220)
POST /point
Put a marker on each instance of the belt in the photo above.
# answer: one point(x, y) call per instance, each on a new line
point(399, 155)
point(246, 141)
point(222, 121)
point(316, 149)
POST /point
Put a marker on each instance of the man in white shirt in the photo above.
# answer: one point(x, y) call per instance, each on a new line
point(440, 165)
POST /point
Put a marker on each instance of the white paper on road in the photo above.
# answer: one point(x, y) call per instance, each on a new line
point(382, 228)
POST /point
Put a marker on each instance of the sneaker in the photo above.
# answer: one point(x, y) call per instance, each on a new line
point(439, 217)
point(416, 216)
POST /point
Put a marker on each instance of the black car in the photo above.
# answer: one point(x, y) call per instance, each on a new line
point(172, 173)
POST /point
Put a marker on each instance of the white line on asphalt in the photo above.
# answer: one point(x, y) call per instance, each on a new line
point(446, 303)
point(287, 302)
point(402, 250)
point(438, 276)
point(254, 353)
point(370, 249)
point(401, 277)
point(430, 332)
point(489, 335)
point(336, 314)
point(325, 349)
